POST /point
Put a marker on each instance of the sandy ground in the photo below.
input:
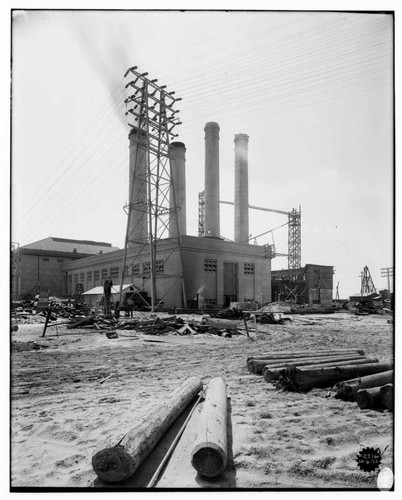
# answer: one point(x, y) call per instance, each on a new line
point(61, 413)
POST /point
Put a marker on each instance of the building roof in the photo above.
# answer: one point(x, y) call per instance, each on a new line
point(67, 245)
point(98, 290)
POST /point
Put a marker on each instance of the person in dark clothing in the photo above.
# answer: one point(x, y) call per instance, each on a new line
point(130, 307)
point(107, 288)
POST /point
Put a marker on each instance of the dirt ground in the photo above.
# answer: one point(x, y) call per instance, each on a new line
point(62, 409)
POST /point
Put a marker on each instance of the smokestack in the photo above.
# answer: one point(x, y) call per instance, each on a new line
point(138, 231)
point(178, 176)
point(241, 229)
point(211, 224)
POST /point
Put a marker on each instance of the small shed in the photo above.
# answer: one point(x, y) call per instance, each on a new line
point(93, 297)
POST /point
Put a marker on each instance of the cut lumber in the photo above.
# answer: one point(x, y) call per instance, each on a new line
point(348, 388)
point(256, 366)
point(301, 379)
point(387, 396)
point(117, 463)
point(209, 454)
point(271, 374)
point(304, 354)
point(368, 398)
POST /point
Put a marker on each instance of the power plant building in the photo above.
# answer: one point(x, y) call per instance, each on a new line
point(215, 271)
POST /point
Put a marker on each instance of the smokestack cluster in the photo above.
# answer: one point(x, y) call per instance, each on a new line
point(211, 220)
point(138, 189)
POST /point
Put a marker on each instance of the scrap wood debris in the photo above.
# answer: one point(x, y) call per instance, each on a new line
point(152, 325)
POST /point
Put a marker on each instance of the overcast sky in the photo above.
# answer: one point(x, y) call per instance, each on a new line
point(312, 90)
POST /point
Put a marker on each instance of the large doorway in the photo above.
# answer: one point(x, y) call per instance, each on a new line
point(230, 281)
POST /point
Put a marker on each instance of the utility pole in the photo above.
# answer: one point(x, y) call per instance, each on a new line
point(387, 272)
point(152, 200)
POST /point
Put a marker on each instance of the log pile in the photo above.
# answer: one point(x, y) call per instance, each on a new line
point(304, 370)
point(255, 364)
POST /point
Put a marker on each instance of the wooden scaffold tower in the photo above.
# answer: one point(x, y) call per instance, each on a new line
point(152, 260)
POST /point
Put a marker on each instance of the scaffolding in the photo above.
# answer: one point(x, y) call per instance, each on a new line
point(294, 239)
point(201, 213)
point(152, 209)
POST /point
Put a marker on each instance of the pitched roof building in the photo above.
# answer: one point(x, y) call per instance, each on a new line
point(38, 266)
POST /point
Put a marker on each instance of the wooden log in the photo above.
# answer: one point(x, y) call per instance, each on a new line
point(271, 374)
point(209, 454)
point(256, 366)
point(303, 354)
point(348, 388)
point(368, 398)
point(117, 463)
point(387, 396)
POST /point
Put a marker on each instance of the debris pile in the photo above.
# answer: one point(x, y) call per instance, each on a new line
point(152, 325)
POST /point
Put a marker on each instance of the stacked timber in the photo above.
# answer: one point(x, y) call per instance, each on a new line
point(294, 378)
point(347, 388)
point(271, 374)
point(304, 370)
point(256, 364)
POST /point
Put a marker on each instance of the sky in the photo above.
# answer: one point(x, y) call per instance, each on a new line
point(312, 90)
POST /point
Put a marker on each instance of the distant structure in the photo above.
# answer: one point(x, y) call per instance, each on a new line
point(311, 284)
point(38, 267)
point(367, 283)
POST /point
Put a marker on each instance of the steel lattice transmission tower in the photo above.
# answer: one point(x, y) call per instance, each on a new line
point(294, 239)
point(367, 284)
point(152, 250)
